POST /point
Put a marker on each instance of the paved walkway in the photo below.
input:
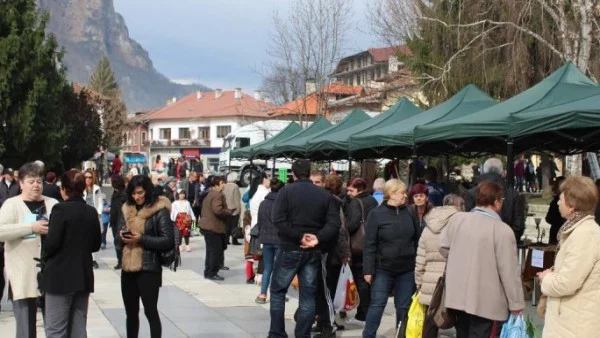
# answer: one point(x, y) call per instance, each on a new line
point(190, 306)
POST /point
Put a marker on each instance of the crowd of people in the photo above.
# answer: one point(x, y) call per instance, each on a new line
point(396, 240)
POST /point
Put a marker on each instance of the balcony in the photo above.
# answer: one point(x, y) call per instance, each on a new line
point(178, 143)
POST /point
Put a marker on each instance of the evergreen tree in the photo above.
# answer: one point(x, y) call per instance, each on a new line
point(32, 84)
point(103, 79)
point(114, 110)
point(85, 133)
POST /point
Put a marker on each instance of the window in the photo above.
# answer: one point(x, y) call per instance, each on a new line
point(164, 133)
point(184, 133)
point(242, 142)
point(204, 133)
point(143, 136)
point(222, 131)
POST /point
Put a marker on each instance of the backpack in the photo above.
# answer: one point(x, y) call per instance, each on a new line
point(172, 258)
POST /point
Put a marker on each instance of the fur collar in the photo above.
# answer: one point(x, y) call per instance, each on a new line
point(136, 220)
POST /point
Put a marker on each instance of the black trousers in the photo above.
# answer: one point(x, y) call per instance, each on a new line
point(471, 326)
point(326, 292)
point(214, 253)
point(364, 291)
point(144, 285)
point(116, 238)
point(232, 223)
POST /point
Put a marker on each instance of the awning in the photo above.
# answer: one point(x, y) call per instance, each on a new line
point(191, 153)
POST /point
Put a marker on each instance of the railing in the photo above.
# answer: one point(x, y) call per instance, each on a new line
point(178, 143)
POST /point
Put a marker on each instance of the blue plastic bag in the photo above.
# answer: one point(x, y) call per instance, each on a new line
point(515, 327)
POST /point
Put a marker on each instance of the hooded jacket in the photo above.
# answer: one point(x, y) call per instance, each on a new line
point(513, 208)
point(430, 263)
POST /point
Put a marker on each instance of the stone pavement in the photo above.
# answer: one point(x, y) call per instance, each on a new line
point(189, 305)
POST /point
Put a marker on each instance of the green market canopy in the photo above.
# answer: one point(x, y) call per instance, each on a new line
point(547, 116)
point(298, 145)
point(249, 151)
point(272, 150)
point(335, 145)
point(397, 139)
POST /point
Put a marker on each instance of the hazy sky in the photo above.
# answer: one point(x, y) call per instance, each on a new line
point(219, 43)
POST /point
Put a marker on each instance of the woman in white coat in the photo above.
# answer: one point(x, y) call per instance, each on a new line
point(183, 216)
point(262, 190)
point(93, 197)
point(23, 220)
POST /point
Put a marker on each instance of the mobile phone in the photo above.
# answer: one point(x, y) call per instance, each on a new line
point(126, 233)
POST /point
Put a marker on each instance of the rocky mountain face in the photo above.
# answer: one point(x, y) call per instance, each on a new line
point(89, 29)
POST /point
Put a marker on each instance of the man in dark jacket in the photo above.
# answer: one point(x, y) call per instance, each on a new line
point(9, 187)
point(513, 208)
point(306, 217)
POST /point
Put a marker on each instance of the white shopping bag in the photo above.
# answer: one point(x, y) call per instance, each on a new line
point(346, 294)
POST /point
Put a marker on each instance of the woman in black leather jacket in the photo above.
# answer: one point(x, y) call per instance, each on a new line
point(147, 230)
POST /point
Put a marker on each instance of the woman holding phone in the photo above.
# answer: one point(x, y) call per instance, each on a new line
point(22, 224)
point(147, 230)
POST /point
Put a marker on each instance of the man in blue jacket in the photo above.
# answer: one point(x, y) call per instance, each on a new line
point(307, 218)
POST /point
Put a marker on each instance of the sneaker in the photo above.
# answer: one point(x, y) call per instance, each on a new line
point(250, 281)
point(326, 333)
point(261, 299)
point(354, 321)
point(117, 267)
point(188, 248)
point(224, 268)
point(95, 265)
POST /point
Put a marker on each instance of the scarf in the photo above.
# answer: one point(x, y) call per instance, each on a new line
point(569, 223)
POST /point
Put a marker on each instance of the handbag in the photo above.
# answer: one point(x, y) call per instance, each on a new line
point(357, 242)
point(437, 312)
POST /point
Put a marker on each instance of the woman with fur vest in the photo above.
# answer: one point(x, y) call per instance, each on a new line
point(146, 231)
point(430, 264)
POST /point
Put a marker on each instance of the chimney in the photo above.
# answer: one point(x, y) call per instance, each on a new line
point(198, 95)
point(257, 95)
point(218, 93)
point(237, 94)
point(310, 86)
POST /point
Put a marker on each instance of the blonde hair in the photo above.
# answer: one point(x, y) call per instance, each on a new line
point(580, 193)
point(392, 186)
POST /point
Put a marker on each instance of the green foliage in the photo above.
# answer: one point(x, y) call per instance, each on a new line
point(114, 109)
point(34, 121)
point(103, 79)
point(85, 134)
point(500, 60)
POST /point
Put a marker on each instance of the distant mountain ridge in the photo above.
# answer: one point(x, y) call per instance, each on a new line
point(89, 29)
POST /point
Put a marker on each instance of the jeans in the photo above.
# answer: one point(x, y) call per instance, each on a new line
point(403, 285)
point(214, 253)
point(304, 263)
point(144, 285)
point(269, 253)
point(104, 230)
point(66, 314)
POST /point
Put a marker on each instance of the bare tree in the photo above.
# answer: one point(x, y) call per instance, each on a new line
point(306, 44)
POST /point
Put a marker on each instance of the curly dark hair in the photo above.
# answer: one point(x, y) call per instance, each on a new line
point(144, 182)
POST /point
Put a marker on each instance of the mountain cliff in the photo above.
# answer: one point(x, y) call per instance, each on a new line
point(89, 29)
